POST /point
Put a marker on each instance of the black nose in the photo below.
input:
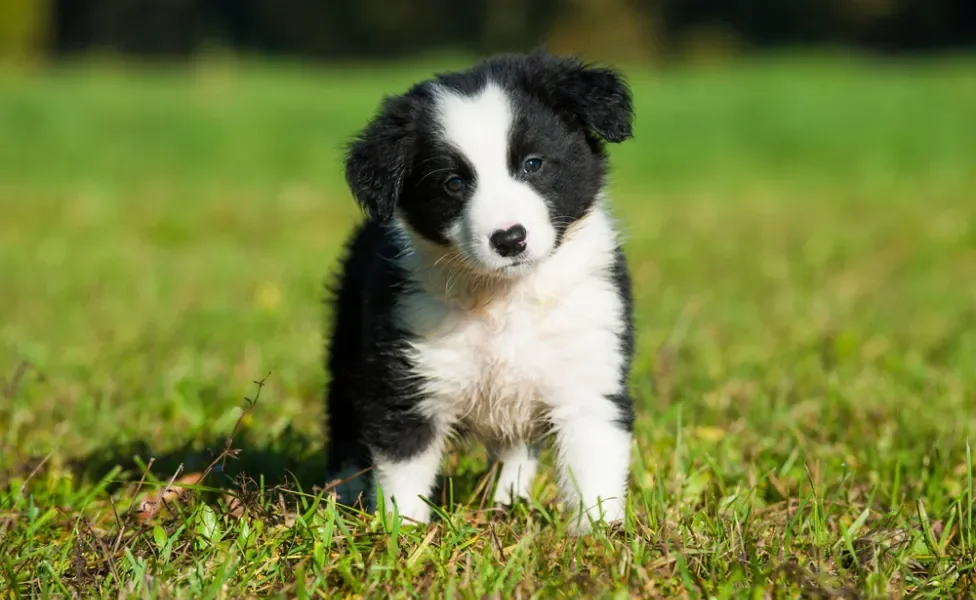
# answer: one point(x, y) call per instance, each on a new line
point(509, 242)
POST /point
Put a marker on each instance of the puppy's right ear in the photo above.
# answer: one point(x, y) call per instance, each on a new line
point(377, 159)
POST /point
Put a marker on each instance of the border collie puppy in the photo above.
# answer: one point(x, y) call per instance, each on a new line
point(486, 292)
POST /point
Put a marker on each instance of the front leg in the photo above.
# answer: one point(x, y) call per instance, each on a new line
point(519, 463)
point(406, 469)
point(593, 440)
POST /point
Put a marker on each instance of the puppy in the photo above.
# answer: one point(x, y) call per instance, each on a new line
point(486, 292)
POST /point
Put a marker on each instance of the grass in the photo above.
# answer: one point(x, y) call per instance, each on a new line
point(802, 234)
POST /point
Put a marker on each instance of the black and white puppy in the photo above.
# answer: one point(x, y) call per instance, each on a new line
point(486, 292)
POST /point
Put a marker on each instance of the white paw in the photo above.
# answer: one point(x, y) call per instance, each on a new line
point(412, 511)
point(519, 465)
point(599, 514)
point(405, 484)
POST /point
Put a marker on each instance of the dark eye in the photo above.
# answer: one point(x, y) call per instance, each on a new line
point(532, 164)
point(454, 184)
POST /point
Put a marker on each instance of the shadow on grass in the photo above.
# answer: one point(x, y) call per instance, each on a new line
point(292, 462)
point(243, 464)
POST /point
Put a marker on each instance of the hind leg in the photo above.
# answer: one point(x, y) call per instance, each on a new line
point(350, 476)
point(349, 461)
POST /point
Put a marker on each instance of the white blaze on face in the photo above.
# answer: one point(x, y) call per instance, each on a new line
point(478, 127)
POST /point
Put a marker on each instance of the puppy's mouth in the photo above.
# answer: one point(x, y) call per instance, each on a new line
point(519, 266)
point(512, 268)
point(520, 262)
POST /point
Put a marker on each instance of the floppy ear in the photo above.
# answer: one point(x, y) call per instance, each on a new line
point(378, 158)
point(598, 97)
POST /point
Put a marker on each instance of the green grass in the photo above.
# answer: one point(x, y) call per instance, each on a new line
point(802, 235)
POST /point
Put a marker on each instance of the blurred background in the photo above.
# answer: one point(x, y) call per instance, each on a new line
point(636, 30)
point(797, 204)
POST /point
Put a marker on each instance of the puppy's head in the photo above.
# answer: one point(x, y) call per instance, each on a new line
point(493, 164)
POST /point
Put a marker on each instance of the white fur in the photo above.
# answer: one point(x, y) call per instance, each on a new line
point(478, 126)
point(519, 465)
point(406, 483)
point(594, 456)
point(502, 355)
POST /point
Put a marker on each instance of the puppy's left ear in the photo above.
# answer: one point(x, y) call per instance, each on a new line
point(599, 97)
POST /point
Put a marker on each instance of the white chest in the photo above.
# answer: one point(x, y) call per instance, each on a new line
point(499, 369)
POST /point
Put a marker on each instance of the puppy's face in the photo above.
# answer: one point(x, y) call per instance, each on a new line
point(491, 165)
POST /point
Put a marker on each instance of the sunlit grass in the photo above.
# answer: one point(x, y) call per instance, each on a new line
point(802, 235)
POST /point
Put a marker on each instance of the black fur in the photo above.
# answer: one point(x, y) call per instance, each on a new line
point(622, 281)
point(370, 394)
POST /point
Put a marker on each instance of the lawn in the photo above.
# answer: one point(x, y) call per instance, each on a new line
point(802, 235)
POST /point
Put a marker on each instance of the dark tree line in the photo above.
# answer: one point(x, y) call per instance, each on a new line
point(328, 29)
